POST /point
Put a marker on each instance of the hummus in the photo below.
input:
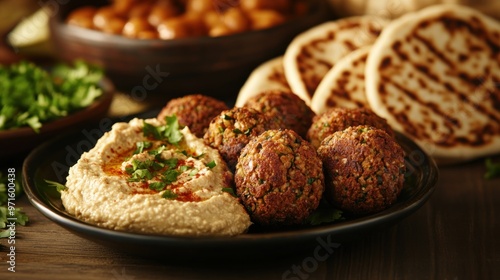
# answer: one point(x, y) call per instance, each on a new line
point(134, 180)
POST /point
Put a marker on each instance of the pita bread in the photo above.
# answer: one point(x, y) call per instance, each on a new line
point(435, 76)
point(267, 76)
point(314, 52)
point(344, 85)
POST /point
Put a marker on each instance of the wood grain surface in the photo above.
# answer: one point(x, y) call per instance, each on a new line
point(453, 236)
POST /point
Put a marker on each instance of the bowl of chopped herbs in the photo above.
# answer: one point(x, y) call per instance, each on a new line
point(39, 102)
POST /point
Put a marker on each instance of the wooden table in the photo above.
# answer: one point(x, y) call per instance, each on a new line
point(455, 235)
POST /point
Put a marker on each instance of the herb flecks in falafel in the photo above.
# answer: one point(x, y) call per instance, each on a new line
point(233, 129)
point(284, 107)
point(279, 178)
point(364, 169)
point(337, 119)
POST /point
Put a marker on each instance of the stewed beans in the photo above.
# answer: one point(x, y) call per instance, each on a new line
point(171, 19)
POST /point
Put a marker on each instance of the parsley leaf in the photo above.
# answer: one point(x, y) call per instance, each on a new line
point(150, 130)
point(5, 212)
point(157, 152)
point(157, 186)
point(211, 164)
point(169, 132)
point(59, 187)
point(171, 162)
point(229, 191)
point(172, 131)
point(141, 174)
point(20, 217)
point(30, 95)
point(170, 176)
point(323, 215)
point(492, 169)
point(193, 172)
point(184, 168)
point(168, 194)
point(4, 181)
point(141, 146)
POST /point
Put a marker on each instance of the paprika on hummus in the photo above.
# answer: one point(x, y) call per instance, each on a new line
point(147, 177)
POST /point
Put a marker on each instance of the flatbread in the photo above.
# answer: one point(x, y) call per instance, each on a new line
point(267, 76)
point(344, 85)
point(314, 52)
point(435, 76)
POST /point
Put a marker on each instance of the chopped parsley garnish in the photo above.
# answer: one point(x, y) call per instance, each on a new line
point(169, 194)
point(492, 169)
point(198, 156)
point(165, 170)
point(59, 187)
point(157, 186)
point(229, 191)
point(158, 172)
point(171, 162)
point(169, 132)
point(194, 172)
point(157, 152)
point(211, 164)
point(140, 175)
point(141, 146)
point(184, 168)
point(324, 215)
point(170, 176)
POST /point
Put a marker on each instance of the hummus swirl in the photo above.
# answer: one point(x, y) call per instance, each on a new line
point(137, 183)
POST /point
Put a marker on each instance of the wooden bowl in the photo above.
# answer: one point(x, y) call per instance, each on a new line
point(18, 142)
point(216, 66)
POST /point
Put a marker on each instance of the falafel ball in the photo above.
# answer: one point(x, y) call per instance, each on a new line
point(232, 129)
point(364, 169)
point(285, 107)
point(194, 111)
point(337, 119)
point(279, 178)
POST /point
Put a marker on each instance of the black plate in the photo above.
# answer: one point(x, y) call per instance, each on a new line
point(52, 159)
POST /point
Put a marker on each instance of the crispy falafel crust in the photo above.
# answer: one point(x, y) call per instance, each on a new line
point(364, 169)
point(279, 178)
point(285, 107)
point(337, 119)
point(232, 129)
point(194, 111)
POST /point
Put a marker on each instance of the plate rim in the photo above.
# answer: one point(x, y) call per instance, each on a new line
point(390, 215)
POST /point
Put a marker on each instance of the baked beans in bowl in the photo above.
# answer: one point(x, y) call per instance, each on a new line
point(177, 47)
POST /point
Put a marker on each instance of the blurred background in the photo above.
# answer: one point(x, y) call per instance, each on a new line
point(147, 73)
point(156, 70)
point(212, 59)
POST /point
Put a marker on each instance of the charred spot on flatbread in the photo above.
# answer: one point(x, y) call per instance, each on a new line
point(435, 76)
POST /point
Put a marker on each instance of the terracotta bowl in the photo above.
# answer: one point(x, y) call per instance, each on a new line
point(216, 66)
point(18, 142)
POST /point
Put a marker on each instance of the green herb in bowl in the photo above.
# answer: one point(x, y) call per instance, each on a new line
point(31, 95)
